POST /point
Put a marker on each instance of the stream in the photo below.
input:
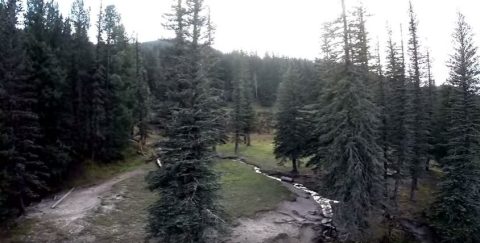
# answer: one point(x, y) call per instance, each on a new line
point(421, 232)
point(324, 203)
point(308, 218)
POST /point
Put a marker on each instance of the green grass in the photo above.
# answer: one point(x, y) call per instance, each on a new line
point(244, 192)
point(427, 186)
point(93, 172)
point(260, 153)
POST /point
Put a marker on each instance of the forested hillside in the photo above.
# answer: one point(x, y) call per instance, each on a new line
point(368, 128)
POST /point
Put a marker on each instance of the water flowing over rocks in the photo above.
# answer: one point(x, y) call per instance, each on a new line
point(306, 219)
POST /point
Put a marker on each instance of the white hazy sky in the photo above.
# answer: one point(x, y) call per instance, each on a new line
point(292, 27)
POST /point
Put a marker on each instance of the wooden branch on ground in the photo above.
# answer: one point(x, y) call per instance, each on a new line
point(61, 199)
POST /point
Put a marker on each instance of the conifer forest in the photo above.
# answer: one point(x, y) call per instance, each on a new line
point(106, 138)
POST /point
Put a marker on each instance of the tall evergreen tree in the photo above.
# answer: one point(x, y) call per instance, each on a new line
point(416, 113)
point(80, 66)
point(23, 173)
point(214, 85)
point(430, 94)
point(382, 91)
point(395, 110)
point(142, 101)
point(291, 126)
point(119, 65)
point(43, 47)
point(187, 210)
point(96, 106)
point(348, 149)
point(441, 124)
point(456, 212)
point(237, 117)
point(359, 39)
point(248, 113)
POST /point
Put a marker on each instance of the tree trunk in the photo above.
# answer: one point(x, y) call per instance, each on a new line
point(294, 165)
point(248, 139)
point(237, 138)
point(396, 188)
point(413, 189)
point(385, 172)
point(21, 205)
point(427, 165)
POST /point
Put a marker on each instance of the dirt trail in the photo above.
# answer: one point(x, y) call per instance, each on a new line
point(291, 222)
point(79, 202)
point(92, 214)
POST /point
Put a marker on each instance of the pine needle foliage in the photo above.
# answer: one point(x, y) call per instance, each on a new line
point(456, 212)
point(187, 210)
point(291, 125)
point(347, 126)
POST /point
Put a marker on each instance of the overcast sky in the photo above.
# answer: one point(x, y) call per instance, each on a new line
point(292, 27)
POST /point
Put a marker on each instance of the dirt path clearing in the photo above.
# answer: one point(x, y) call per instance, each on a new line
point(112, 211)
point(79, 202)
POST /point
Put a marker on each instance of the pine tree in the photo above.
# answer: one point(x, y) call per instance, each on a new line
point(43, 24)
point(237, 117)
point(24, 175)
point(119, 65)
point(187, 210)
point(248, 113)
point(359, 39)
point(382, 91)
point(96, 106)
point(348, 150)
point(416, 113)
point(81, 63)
point(110, 111)
point(9, 42)
point(430, 106)
point(456, 212)
point(242, 117)
point(268, 77)
point(395, 109)
point(290, 125)
point(142, 102)
point(214, 86)
point(441, 124)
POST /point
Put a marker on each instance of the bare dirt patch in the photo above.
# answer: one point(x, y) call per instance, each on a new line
point(112, 211)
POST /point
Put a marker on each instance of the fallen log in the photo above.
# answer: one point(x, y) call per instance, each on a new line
point(61, 199)
point(287, 179)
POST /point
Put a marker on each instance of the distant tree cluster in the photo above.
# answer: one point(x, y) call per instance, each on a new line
point(62, 99)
